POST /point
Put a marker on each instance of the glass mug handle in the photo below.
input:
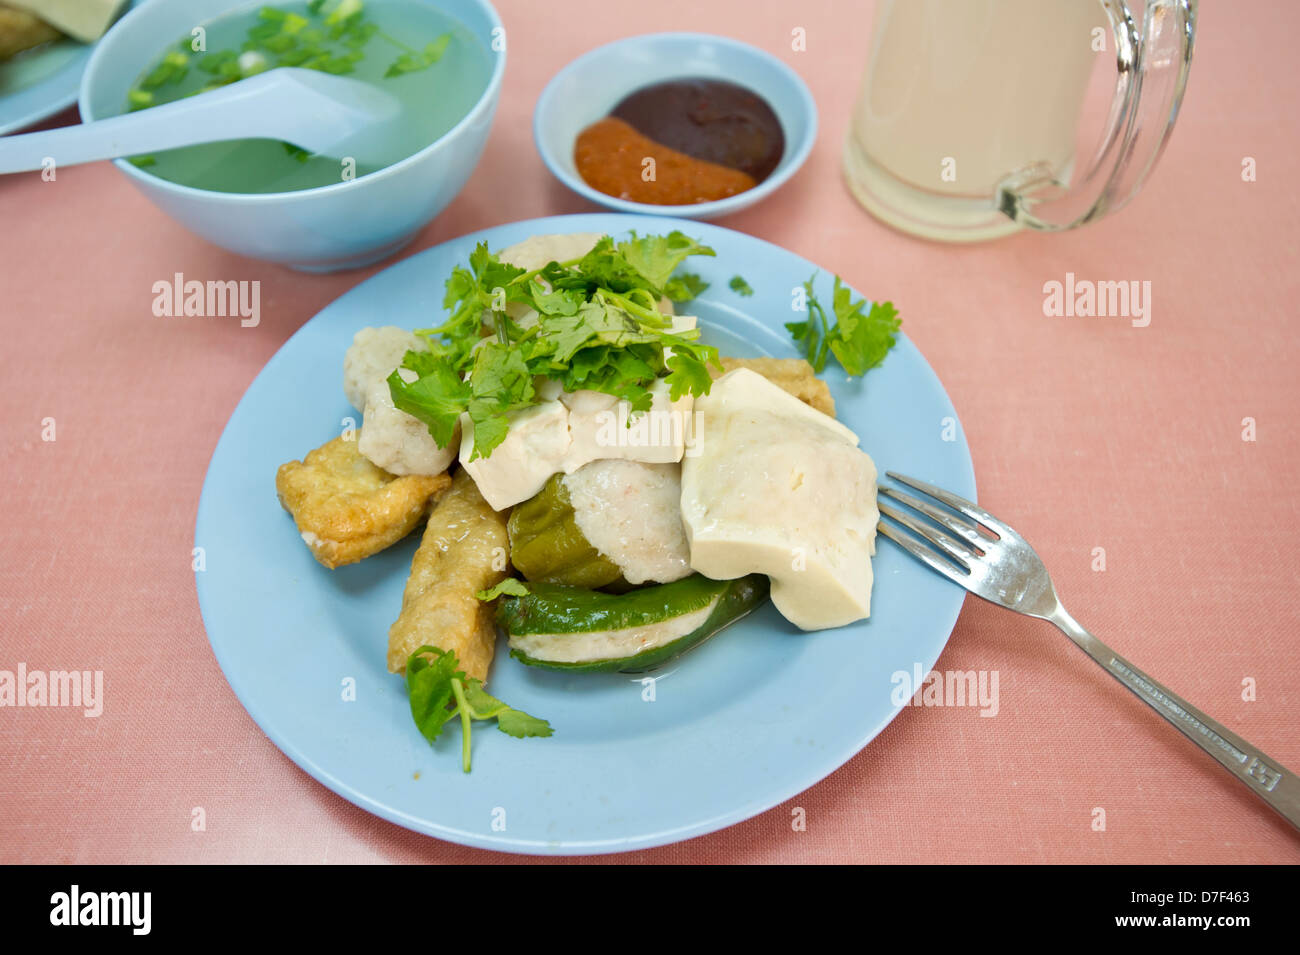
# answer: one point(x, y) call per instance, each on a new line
point(1153, 66)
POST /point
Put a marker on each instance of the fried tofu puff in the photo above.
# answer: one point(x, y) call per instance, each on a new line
point(463, 551)
point(792, 375)
point(346, 508)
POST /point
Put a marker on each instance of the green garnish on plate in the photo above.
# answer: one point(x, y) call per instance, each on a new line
point(599, 328)
point(512, 586)
point(859, 341)
point(740, 286)
point(440, 690)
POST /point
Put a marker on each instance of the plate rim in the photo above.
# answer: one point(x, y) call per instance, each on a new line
point(750, 808)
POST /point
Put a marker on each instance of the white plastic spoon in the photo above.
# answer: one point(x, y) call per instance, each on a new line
point(319, 112)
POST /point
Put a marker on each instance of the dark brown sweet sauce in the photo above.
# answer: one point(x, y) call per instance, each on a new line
point(708, 139)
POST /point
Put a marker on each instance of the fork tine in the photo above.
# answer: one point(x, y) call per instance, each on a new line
point(955, 550)
point(924, 555)
point(969, 534)
point(969, 508)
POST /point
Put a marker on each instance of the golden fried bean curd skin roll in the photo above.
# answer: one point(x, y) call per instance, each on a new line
point(346, 508)
point(792, 375)
point(463, 551)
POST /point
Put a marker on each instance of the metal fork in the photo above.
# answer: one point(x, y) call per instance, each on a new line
point(971, 547)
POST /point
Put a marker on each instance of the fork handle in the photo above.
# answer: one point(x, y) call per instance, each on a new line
point(1266, 777)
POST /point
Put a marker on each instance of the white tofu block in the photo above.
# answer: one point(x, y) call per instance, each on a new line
point(533, 450)
point(776, 487)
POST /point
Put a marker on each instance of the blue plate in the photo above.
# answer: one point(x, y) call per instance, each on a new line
point(748, 720)
point(38, 83)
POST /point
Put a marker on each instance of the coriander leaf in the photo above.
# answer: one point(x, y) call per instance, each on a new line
point(689, 374)
point(470, 294)
point(621, 372)
point(606, 267)
point(500, 382)
point(595, 322)
point(510, 721)
point(501, 376)
point(429, 683)
point(572, 277)
point(798, 330)
point(586, 362)
point(511, 586)
point(811, 334)
point(858, 340)
point(490, 429)
point(434, 682)
point(861, 342)
point(437, 398)
point(422, 362)
point(490, 271)
point(461, 284)
point(519, 724)
point(555, 302)
point(655, 256)
point(615, 371)
point(740, 286)
point(684, 287)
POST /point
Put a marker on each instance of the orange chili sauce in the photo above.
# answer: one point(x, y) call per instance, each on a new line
point(611, 157)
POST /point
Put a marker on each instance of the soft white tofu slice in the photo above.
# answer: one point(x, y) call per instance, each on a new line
point(601, 426)
point(533, 450)
point(776, 487)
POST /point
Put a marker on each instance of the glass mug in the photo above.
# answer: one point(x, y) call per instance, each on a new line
point(964, 128)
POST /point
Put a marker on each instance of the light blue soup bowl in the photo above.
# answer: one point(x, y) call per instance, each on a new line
point(593, 84)
point(344, 225)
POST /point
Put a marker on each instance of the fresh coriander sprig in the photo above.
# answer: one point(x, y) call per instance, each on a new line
point(598, 328)
point(439, 690)
point(859, 341)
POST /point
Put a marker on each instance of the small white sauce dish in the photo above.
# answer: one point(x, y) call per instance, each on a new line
point(592, 85)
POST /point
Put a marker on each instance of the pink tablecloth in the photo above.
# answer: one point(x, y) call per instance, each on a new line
point(1087, 433)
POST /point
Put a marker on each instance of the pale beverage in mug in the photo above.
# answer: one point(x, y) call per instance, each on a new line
point(968, 110)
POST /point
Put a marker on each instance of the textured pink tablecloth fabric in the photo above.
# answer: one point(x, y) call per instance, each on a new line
point(1086, 433)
